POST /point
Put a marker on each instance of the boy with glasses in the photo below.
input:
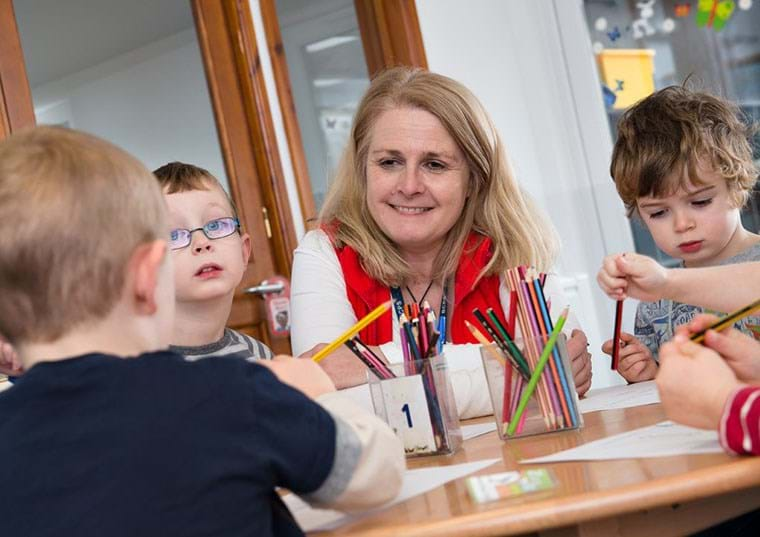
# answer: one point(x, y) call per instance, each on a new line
point(107, 433)
point(210, 254)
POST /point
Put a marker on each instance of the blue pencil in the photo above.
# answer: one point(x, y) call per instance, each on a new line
point(442, 331)
point(555, 352)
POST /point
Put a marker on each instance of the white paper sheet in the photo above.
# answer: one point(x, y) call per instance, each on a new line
point(416, 482)
point(478, 429)
point(663, 439)
point(642, 393)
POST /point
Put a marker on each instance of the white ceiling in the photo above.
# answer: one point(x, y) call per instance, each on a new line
point(60, 37)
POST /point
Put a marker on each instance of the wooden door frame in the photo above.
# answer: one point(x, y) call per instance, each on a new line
point(390, 33)
point(16, 108)
point(391, 36)
point(288, 109)
point(241, 107)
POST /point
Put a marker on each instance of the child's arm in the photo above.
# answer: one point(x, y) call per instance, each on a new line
point(698, 388)
point(694, 383)
point(722, 288)
point(370, 453)
point(362, 462)
point(303, 375)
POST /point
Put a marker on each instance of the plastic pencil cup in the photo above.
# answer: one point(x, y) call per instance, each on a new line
point(419, 406)
point(551, 406)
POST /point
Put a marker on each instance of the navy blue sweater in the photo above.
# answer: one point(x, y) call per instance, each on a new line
point(155, 445)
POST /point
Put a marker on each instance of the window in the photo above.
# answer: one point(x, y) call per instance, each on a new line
point(643, 46)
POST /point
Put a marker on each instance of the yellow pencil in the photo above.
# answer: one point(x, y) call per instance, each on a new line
point(348, 334)
point(483, 340)
point(728, 320)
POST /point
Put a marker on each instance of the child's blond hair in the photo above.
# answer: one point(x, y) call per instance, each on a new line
point(669, 133)
point(74, 208)
point(175, 177)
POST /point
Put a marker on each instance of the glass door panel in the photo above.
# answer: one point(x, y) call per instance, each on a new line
point(129, 72)
point(328, 75)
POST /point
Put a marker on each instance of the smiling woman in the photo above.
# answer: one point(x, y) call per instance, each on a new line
point(417, 181)
point(424, 204)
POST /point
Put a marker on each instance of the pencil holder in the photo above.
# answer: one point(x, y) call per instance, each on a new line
point(552, 405)
point(418, 404)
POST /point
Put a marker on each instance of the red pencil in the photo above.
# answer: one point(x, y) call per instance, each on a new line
point(616, 336)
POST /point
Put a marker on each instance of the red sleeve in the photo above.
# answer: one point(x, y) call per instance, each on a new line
point(740, 423)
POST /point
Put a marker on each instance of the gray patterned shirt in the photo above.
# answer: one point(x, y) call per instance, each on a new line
point(232, 343)
point(656, 321)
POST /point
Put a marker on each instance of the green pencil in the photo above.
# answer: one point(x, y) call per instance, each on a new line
point(537, 372)
point(508, 340)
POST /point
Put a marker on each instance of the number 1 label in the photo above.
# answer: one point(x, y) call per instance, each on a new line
point(405, 410)
point(408, 415)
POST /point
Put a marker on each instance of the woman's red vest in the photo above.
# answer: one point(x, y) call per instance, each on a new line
point(366, 293)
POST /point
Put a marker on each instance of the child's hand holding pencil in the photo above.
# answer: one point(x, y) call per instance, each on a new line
point(635, 363)
point(632, 275)
point(694, 383)
point(740, 351)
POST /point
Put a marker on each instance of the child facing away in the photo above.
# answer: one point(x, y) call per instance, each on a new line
point(105, 433)
point(210, 254)
point(683, 164)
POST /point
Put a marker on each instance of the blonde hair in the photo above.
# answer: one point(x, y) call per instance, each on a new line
point(74, 209)
point(496, 207)
point(670, 131)
point(176, 177)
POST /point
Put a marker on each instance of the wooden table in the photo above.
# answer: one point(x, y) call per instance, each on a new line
point(668, 495)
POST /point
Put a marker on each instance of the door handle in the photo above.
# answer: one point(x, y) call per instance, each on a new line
point(265, 288)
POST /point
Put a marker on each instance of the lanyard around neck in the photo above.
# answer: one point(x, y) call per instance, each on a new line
point(398, 307)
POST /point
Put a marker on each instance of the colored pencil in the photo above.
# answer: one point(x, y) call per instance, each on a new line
point(501, 344)
point(507, 370)
point(528, 347)
point(537, 372)
point(558, 369)
point(351, 344)
point(616, 334)
point(348, 334)
point(514, 350)
point(552, 382)
point(563, 382)
point(374, 358)
point(527, 322)
point(728, 320)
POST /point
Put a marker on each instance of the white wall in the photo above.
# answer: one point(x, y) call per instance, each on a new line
point(514, 59)
point(153, 102)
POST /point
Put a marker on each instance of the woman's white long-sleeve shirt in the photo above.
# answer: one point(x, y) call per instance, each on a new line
point(321, 311)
